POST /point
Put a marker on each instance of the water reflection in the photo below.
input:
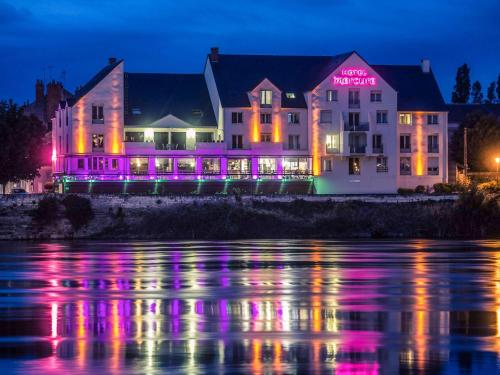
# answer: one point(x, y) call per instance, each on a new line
point(259, 307)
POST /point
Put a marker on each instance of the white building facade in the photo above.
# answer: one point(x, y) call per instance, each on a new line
point(265, 124)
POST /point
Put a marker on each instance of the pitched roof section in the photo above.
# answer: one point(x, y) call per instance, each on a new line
point(236, 75)
point(417, 90)
point(85, 89)
point(458, 112)
point(152, 96)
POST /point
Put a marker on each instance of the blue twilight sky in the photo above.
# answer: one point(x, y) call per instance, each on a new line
point(174, 36)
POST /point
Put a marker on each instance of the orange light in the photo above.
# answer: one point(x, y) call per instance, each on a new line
point(277, 127)
point(420, 159)
point(80, 130)
point(254, 131)
point(316, 157)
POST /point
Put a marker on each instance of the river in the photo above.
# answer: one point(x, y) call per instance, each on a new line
point(344, 307)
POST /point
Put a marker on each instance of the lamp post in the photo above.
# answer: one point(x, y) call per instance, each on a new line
point(497, 161)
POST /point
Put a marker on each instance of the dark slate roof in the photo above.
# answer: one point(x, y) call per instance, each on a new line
point(82, 91)
point(417, 90)
point(458, 112)
point(156, 95)
point(236, 75)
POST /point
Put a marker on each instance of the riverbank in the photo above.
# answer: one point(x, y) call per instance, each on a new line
point(230, 217)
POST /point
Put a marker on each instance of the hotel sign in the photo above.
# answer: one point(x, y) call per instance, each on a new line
point(354, 77)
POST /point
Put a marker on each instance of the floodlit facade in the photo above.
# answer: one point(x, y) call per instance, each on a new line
point(262, 124)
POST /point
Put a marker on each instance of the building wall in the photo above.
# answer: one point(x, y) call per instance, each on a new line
point(339, 181)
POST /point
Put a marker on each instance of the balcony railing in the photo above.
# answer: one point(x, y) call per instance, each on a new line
point(354, 104)
point(357, 149)
point(378, 149)
point(405, 150)
point(433, 149)
point(332, 150)
point(361, 127)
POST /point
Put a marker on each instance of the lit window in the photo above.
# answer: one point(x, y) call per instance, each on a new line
point(236, 117)
point(433, 166)
point(266, 98)
point(139, 165)
point(354, 166)
point(97, 114)
point(238, 166)
point(382, 164)
point(405, 118)
point(405, 166)
point(325, 116)
point(376, 96)
point(266, 118)
point(331, 95)
point(290, 95)
point(267, 165)
point(210, 165)
point(296, 166)
point(332, 142)
point(164, 165)
point(432, 119)
point(293, 118)
point(381, 117)
point(186, 165)
point(97, 142)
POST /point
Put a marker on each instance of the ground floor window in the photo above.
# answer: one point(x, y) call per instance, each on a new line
point(186, 165)
point(114, 164)
point(433, 166)
point(405, 166)
point(354, 166)
point(238, 166)
point(327, 165)
point(382, 164)
point(210, 165)
point(295, 166)
point(164, 165)
point(81, 163)
point(267, 165)
point(97, 163)
point(139, 165)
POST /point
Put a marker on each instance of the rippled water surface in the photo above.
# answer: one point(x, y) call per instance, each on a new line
point(416, 307)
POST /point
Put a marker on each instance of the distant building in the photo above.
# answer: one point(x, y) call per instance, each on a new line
point(44, 106)
point(328, 124)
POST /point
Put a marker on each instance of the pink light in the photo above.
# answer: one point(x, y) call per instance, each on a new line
point(176, 177)
point(54, 155)
point(354, 77)
point(254, 177)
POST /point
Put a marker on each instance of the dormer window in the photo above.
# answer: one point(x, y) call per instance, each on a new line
point(198, 113)
point(97, 114)
point(136, 111)
point(290, 95)
point(266, 98)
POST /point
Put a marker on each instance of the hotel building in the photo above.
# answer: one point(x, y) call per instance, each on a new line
point(257, 123)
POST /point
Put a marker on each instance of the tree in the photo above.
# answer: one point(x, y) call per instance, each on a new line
point(483, 138)
point(461, 91)
point(21, 151)
point(491, 92)
point(477, 95)
point(498, 87)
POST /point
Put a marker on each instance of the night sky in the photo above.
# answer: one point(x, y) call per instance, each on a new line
point(174, 36)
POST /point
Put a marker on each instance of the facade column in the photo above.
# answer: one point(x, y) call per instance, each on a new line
point(255, 166)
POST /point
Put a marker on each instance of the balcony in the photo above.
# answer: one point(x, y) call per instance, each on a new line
point(378, 149)
point(361, 127)
point(357, 149)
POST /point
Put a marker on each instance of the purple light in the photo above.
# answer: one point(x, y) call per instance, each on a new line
point(254, 177)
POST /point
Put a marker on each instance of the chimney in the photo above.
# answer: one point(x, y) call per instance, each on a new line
point(111, 60)
point(54, 96)
point(39, 91)
point(426, 65)
point(214, 54)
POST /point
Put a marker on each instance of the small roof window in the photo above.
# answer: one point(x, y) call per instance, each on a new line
point(136, 111)
point(290, 95)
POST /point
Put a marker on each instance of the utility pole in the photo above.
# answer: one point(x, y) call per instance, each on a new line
point(465, 153)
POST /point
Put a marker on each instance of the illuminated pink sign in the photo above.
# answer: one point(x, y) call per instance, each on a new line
point(354, 77)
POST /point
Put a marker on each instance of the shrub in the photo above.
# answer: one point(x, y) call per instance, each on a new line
point(405, 191)
point(420, 189)
point(441, 188)
point(78, 210)
point(46, 211)
point(490, 187)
